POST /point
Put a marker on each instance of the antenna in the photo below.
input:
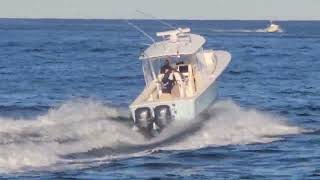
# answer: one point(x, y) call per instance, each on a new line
point(140, 30)
point(155, 18)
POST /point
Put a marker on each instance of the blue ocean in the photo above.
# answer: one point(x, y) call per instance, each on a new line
point(66, 86)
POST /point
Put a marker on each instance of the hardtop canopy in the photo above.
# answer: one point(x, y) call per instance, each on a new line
point(175, 43)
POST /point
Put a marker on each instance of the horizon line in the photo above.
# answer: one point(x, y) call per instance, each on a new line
point(167, 19)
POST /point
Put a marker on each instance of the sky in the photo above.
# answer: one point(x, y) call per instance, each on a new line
point(164, 9)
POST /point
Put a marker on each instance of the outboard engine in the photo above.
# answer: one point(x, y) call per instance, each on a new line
point(143, 119)
point(162, 116)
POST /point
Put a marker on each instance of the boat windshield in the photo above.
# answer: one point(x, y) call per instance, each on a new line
point(152, 67)
point(147, 71)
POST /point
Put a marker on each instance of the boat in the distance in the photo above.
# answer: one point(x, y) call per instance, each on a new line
point(181, 80)
point(273, 28)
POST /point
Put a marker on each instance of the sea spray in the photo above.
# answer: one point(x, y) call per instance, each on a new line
point(229, 123)
point(90, 128)
point(76, 126)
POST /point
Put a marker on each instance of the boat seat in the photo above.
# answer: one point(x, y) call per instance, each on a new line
point(180, 85)
point(178, 90)
point(165, 96)
point(189, 80)
point(185, 82)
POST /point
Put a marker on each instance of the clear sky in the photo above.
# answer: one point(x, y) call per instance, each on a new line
point(165, 9)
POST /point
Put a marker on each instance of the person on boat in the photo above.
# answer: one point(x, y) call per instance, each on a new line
point(167, 81)
point(165, 67)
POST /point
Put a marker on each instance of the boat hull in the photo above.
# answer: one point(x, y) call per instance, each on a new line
point(180, 109)
point(154, 113)
point(273, 29)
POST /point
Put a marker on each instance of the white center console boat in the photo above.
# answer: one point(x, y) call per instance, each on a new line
point(181, 80)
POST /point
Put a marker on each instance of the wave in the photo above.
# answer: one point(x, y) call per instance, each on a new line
point(76, 126)
point(101, 50)
point(243, 30)
point(231, 124)
point(85, 131)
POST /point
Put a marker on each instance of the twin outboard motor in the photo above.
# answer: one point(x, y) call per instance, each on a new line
point(150, 125)
point(143, 118)
point(162, 116)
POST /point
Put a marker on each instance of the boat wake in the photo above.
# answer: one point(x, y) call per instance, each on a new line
point(86, 133)
point(242, 30)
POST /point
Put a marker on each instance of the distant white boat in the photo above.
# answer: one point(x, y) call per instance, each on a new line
point(181, 80)
point(273, 28)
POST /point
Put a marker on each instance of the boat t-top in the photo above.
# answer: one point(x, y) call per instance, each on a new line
point(181, 80)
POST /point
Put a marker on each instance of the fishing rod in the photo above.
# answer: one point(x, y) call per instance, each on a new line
point(141, 31)
point(155, 18)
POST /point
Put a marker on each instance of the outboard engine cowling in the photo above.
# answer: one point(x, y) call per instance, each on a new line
point(162, 116)
point(143, 118)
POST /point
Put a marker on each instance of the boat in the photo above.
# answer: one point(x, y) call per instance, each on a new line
point(194, 74)
point(273, 28)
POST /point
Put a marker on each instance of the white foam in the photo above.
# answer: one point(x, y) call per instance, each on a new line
point(243, 30)
point(73, 127)
point(231, 124)
point(81, 126)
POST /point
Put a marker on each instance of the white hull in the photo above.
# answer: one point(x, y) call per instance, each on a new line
point(186, 108)
point(273, 28)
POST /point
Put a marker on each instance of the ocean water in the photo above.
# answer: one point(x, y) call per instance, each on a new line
point(66, 86)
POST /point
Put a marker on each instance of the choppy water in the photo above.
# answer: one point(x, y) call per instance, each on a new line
point(66, 84)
